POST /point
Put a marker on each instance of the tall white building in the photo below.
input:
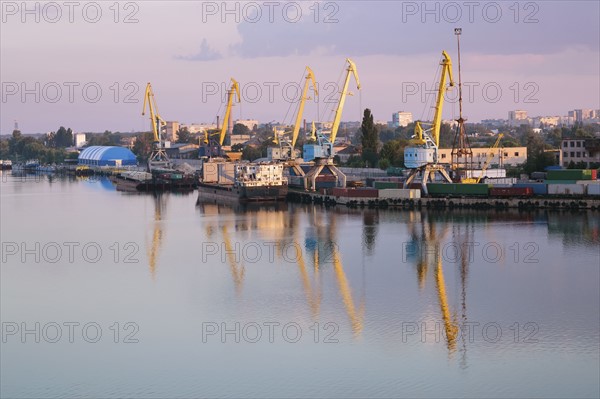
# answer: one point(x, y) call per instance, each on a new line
point(517, 118)
point(401, 118)
point(79, 139)
point(172, 127)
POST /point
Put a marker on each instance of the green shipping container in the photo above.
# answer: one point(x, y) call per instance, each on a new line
point(394, 171)
point(457, 189)
point(569, 174)
point(386, 184)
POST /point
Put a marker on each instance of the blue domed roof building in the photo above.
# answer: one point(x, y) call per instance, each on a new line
point(107, 156)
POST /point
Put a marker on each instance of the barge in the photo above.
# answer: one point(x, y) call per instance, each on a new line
point(243, 182)
point(144, 181)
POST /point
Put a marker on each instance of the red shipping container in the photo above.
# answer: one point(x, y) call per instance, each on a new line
point(325, 178)
point(511, 191)
point(363, 193)
point(339, 192)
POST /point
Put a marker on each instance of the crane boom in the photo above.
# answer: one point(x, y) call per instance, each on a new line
point(310, 78)
point(235, 88)
point(437, 117)
point(338, 112)
point(155, 119)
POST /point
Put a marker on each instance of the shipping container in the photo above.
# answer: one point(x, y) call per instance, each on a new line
point(538, 188)
point(457, 189)
point(588, 182)
point(296, 181)
point(326, 178)
point(511, 191)
point(501, 180)
point(400, 193)
point(355, 192)
point(566, 189)
point(539, 176)
point(339, 192)
point(324, 184)
point(475, 173)
point(362, 193)
point(593, 189)
point(570, 174)
point(561, 181)
point(386, 184)
point(394, 171)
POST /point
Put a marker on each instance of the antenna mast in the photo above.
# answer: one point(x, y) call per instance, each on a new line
point(462, 154)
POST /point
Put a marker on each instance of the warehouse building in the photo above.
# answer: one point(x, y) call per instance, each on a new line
point(107, 156)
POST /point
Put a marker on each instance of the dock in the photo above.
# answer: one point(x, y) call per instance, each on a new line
point(483, 203)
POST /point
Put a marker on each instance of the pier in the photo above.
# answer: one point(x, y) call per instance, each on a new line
point(483, 203)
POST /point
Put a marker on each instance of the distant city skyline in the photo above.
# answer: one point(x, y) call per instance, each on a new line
point(85, 66)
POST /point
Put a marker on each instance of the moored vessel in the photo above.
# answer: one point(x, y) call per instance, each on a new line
point(243, 181)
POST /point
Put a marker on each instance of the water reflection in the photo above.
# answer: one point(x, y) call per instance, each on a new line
point(157, 234)
point(340, 253)
point(280, 225)
point(370, 223)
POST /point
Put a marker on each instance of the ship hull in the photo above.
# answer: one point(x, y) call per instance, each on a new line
point(243, 194)
point(124, 184)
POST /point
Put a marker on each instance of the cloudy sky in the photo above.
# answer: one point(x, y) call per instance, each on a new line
point(85, 65)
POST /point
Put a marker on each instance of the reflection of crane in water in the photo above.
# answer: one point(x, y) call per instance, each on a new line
point(237, 271)
point(430, 240)
point(326, 238)
point(313, 297)
point(463, 236)
point(157, 233)
point(320, 244)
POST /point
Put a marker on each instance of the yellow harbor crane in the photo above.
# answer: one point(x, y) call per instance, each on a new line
point(288, 152)
point(486, 164)
point(211, 146)
point(422, 155)
point(322, 153)
point(286, 147)
point(158, 158)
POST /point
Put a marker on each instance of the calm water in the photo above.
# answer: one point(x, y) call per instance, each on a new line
point(111, 294)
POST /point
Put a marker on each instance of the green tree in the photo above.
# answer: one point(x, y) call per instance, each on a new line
point(62, 138)
point(184, 135)
point(393, 151)
point(143, 145)
point(250, 153)
point(537, 158)
point(17, 136)
point(369, 138)
point(383, 163)
point(554, 137)
point(238, 128)
point(355, 161)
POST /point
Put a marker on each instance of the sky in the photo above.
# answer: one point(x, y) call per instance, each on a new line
point(85, 64)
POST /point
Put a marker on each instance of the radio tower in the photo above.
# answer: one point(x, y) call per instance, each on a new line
point(462, 154)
